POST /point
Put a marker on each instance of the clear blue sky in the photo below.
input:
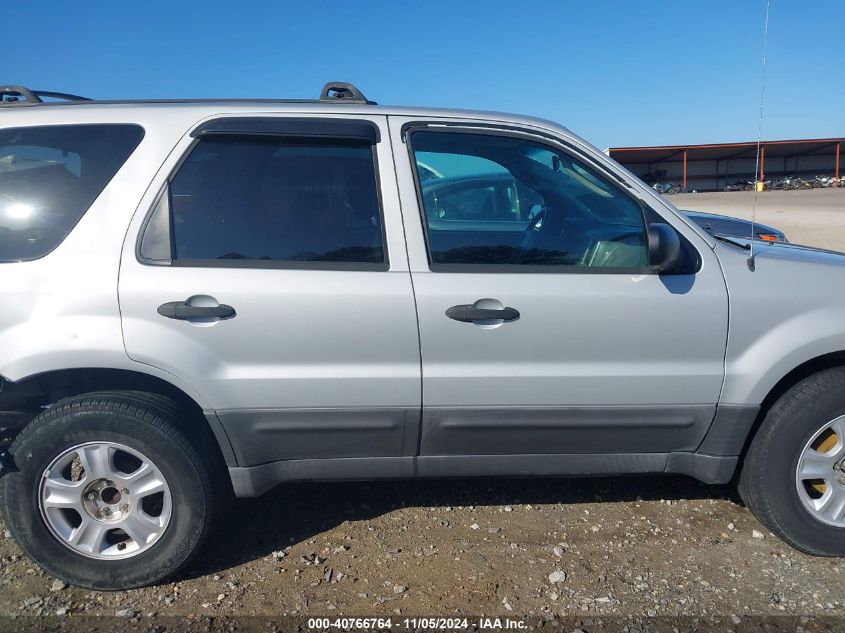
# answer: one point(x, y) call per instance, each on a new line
point(616, 72)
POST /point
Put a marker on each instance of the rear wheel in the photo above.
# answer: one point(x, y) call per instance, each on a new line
point(107, 492)
point(793, 477)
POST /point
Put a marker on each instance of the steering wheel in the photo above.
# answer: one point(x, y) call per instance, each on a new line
point(529, 236)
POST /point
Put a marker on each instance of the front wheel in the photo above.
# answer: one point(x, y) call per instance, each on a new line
point(106, 492)
point(793, 477)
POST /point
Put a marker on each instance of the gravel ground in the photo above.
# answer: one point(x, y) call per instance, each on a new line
point(815, 217)
point(633, 546)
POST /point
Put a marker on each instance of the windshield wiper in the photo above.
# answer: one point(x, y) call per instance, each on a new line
point(727, 240)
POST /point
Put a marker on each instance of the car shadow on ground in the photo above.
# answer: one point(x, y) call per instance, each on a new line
point(293, 513)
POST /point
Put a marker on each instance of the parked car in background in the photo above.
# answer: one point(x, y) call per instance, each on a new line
point(728, 226)
point(666, 187)
point(826, 181)
point(738, 185)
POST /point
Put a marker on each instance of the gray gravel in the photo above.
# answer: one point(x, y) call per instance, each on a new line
point(636, 546)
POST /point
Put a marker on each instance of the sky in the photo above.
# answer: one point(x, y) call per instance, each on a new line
point(618, 73)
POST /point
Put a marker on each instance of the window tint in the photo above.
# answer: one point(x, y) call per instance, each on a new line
point(271, 200)
point(49, 176)
point(502, 200)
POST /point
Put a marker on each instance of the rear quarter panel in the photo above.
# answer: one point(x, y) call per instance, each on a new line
point(61, 311)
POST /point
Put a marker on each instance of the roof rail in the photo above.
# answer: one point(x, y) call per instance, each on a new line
point(343, 91)
point(18, 95)
point(10, 95)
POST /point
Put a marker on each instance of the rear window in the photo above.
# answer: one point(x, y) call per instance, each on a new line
point(49, 176)
point(250, 201)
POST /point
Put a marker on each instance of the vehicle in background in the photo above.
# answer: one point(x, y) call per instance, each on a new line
point(737, 185)
point(728, 226)
point(666, 188)
point(746, 185)
point(825, 181)
point(785, 183)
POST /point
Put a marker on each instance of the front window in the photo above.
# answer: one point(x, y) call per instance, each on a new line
point(507, 201)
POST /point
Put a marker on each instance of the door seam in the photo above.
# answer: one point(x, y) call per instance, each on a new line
point(413, 292)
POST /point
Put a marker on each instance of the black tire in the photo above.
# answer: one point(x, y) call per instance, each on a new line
point(767, 481)
point(143, 422)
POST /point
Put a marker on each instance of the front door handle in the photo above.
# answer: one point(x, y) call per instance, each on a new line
point(468, 313)
point(185, 311)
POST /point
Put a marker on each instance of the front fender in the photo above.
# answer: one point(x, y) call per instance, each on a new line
point(787, 312)
point(751, 372)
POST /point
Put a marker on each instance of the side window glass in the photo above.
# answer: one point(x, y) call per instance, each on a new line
point(49, 176)
point(506, 201)
point(271, 200)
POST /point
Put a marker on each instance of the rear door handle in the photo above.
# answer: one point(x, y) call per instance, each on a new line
point(468, 313)
point(184, 311)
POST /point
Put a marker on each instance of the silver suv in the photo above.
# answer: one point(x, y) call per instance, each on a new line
point(202, 298)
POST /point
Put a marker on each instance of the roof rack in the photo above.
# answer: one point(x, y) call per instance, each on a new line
point(332, 92)
point(18, 95)
point(343, 91)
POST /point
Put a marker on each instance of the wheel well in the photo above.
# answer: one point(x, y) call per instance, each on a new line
point(23, 400)
point(805, 370)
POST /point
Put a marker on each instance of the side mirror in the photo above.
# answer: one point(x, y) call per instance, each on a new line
point(664, 248)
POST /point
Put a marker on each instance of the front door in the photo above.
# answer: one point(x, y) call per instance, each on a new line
point(271, 276)
point(543, 329)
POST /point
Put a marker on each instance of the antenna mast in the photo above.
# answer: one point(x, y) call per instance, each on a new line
point(759, 137)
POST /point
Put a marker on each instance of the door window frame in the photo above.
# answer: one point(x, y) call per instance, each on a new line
point(311, 129)
point(407, 133)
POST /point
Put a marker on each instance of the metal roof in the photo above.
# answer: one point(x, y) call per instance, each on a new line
point(201, 108)
point(723, 151)
point(335, 97)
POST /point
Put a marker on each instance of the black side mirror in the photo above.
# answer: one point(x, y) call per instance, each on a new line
point(664, 248)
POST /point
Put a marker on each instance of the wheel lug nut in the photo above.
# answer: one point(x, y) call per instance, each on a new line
point(125, 491)
point(91, 496)
point(124, 507)
point(104, 512)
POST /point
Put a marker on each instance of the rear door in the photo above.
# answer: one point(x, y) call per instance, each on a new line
point(271, 275)
point(543, 329)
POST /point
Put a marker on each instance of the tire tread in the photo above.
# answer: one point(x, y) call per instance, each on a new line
point(158, 412)
point(800, 400)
